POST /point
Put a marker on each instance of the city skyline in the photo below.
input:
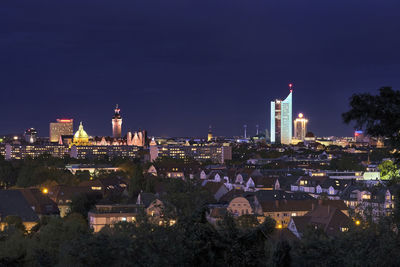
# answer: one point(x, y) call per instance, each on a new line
point(175, 72)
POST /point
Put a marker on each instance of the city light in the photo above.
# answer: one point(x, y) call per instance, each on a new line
point(65, 120)
point(45, 190)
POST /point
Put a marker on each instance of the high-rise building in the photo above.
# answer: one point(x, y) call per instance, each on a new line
point(60, 128)
point(281, 120)
point(210, 135)
point(30, 135)
point(117, 123)
point(300, 127)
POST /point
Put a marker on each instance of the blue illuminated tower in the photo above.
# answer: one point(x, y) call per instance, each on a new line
point(281, 120)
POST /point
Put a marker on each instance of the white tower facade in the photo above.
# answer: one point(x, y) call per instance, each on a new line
point(281, 120)
point(117, 123)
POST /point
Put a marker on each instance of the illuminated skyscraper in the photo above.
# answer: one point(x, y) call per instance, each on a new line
point(281, 120)
point(31, 135)
point(117, 123)
point(300, 127)
point(210, 135)
point(61, 127)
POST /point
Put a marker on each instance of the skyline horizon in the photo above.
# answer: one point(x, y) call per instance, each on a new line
point(124, 131)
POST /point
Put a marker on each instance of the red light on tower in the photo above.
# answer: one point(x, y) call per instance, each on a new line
point(64, 120)
point(290, 87)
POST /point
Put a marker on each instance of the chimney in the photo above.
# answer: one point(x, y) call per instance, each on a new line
point(312, 206)
point(276, 203)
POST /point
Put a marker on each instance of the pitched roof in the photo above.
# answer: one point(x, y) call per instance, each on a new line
point(338, 184)
point(301, 223)
point(298, 205)
point(146, 198)
point(264, 182)
point(64, 193)
point(213, 187)
point(283, 234)
point(326, 217)
point(266, 195)
point(112, 183)
point(41, 203)
point(231, 195)
point(314, 180)
point(13, 203)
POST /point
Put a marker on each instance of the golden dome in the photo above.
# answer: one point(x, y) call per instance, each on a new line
point(81, 132)
point(81, 137)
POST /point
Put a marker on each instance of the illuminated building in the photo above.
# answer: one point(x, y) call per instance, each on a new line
point(210, 135)
point(139, 138)
point(281, 120)
point(107, 215)
point(98, 152)
point(117, 123)
point(200, 152)
point(300, 127)
point(359, 136)
point(30, 135)
point(81, 138)
point(92, 169)
point(153, 150)
point(17, 151)
point(60, 128)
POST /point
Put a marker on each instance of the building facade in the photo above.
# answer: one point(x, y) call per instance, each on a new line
point(215, 153)
point(281, 120)
point(16, 151)
point(300, 127)
point(210, 135)
point(108, 215)
point(60, 128)
point(93, 152)
point(117, 123)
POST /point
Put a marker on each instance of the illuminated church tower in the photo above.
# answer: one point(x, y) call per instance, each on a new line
point(116, 123)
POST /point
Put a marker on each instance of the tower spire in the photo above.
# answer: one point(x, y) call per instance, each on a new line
point(117, 123)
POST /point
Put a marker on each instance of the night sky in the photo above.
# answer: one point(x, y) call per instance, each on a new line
point(176, 66)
